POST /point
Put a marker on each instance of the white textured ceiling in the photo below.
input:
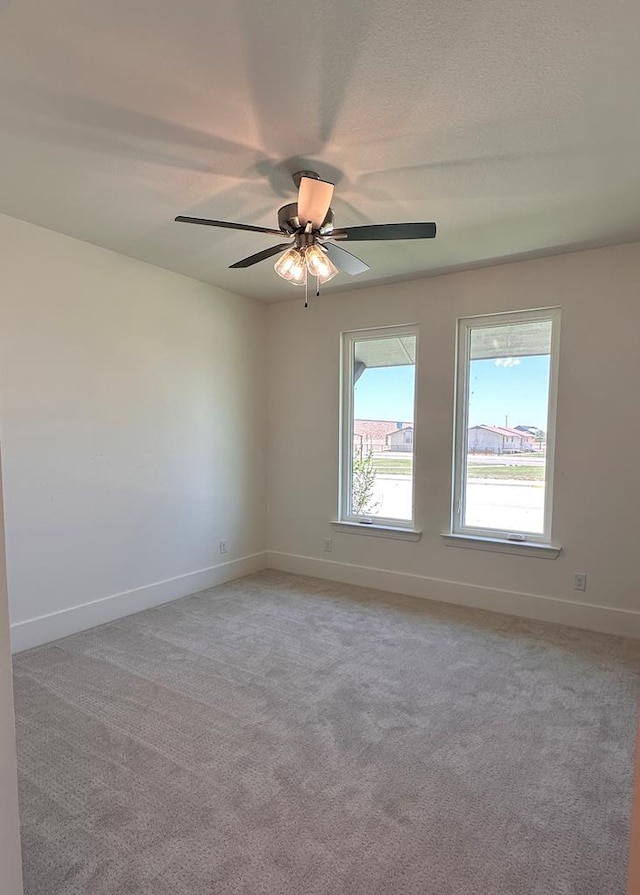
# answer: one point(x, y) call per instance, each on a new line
point(515, 125)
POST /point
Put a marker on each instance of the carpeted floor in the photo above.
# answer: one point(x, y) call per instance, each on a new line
point(287, 735)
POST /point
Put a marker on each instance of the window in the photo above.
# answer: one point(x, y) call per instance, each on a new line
point(378, 403)
point(505, 421)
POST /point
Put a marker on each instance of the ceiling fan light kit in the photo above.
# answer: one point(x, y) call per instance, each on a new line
point(315, 250)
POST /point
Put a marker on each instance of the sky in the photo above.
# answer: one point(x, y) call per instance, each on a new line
point(515, 389)
point(509, 394)
point(385, 393)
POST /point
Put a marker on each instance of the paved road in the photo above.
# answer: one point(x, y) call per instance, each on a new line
point(517, 506)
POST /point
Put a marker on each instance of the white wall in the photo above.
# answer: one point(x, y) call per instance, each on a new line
point(10, 858)
point(598, 432)
point(133, 416)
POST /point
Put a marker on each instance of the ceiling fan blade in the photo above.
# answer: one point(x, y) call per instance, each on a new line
point(386, 231)
point(181, 219)
point(314, 199)
point(344, 259)
point(261, 256)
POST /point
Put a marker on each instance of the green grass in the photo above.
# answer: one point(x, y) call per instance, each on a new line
point(499, 473)
point(508, 473)
point(392, 465)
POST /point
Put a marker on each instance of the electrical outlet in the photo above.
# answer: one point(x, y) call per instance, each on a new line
point(328, 545)
point(223, 546)
point(579, 581)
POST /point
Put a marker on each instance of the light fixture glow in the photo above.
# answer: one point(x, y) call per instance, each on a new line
point(319, 264)
point(290, 266)
point(299, 277)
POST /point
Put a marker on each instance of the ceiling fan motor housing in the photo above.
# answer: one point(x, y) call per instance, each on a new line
point(289, 222)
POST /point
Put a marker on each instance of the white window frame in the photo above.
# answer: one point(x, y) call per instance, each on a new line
point(346, 428)
point(465, 325)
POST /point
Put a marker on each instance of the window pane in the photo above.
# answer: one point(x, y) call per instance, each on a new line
point(505, 470)
point(383, 402)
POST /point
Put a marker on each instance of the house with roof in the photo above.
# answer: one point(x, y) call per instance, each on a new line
point(374, 435)
point(400, 439)
point(486, 439)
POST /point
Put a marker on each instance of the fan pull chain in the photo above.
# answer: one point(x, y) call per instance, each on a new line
point(306, 288)
point(317, 287)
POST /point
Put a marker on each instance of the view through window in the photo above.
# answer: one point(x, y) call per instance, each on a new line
point(506, 442)
point(380, 426)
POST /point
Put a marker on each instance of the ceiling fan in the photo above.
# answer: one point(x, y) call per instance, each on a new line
point(313, 247)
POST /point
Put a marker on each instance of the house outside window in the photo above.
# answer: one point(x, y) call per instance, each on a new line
point(377, 426)
point(505, 425)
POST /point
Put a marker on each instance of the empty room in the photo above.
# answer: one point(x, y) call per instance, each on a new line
point(319, 444)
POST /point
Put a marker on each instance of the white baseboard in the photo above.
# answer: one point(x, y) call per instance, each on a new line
point(604, 619)
point(45, 628)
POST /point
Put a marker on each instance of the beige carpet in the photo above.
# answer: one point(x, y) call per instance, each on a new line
point(287, 735)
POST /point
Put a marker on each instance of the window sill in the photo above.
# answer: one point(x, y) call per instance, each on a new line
point(378, 531)
point(501, 545)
